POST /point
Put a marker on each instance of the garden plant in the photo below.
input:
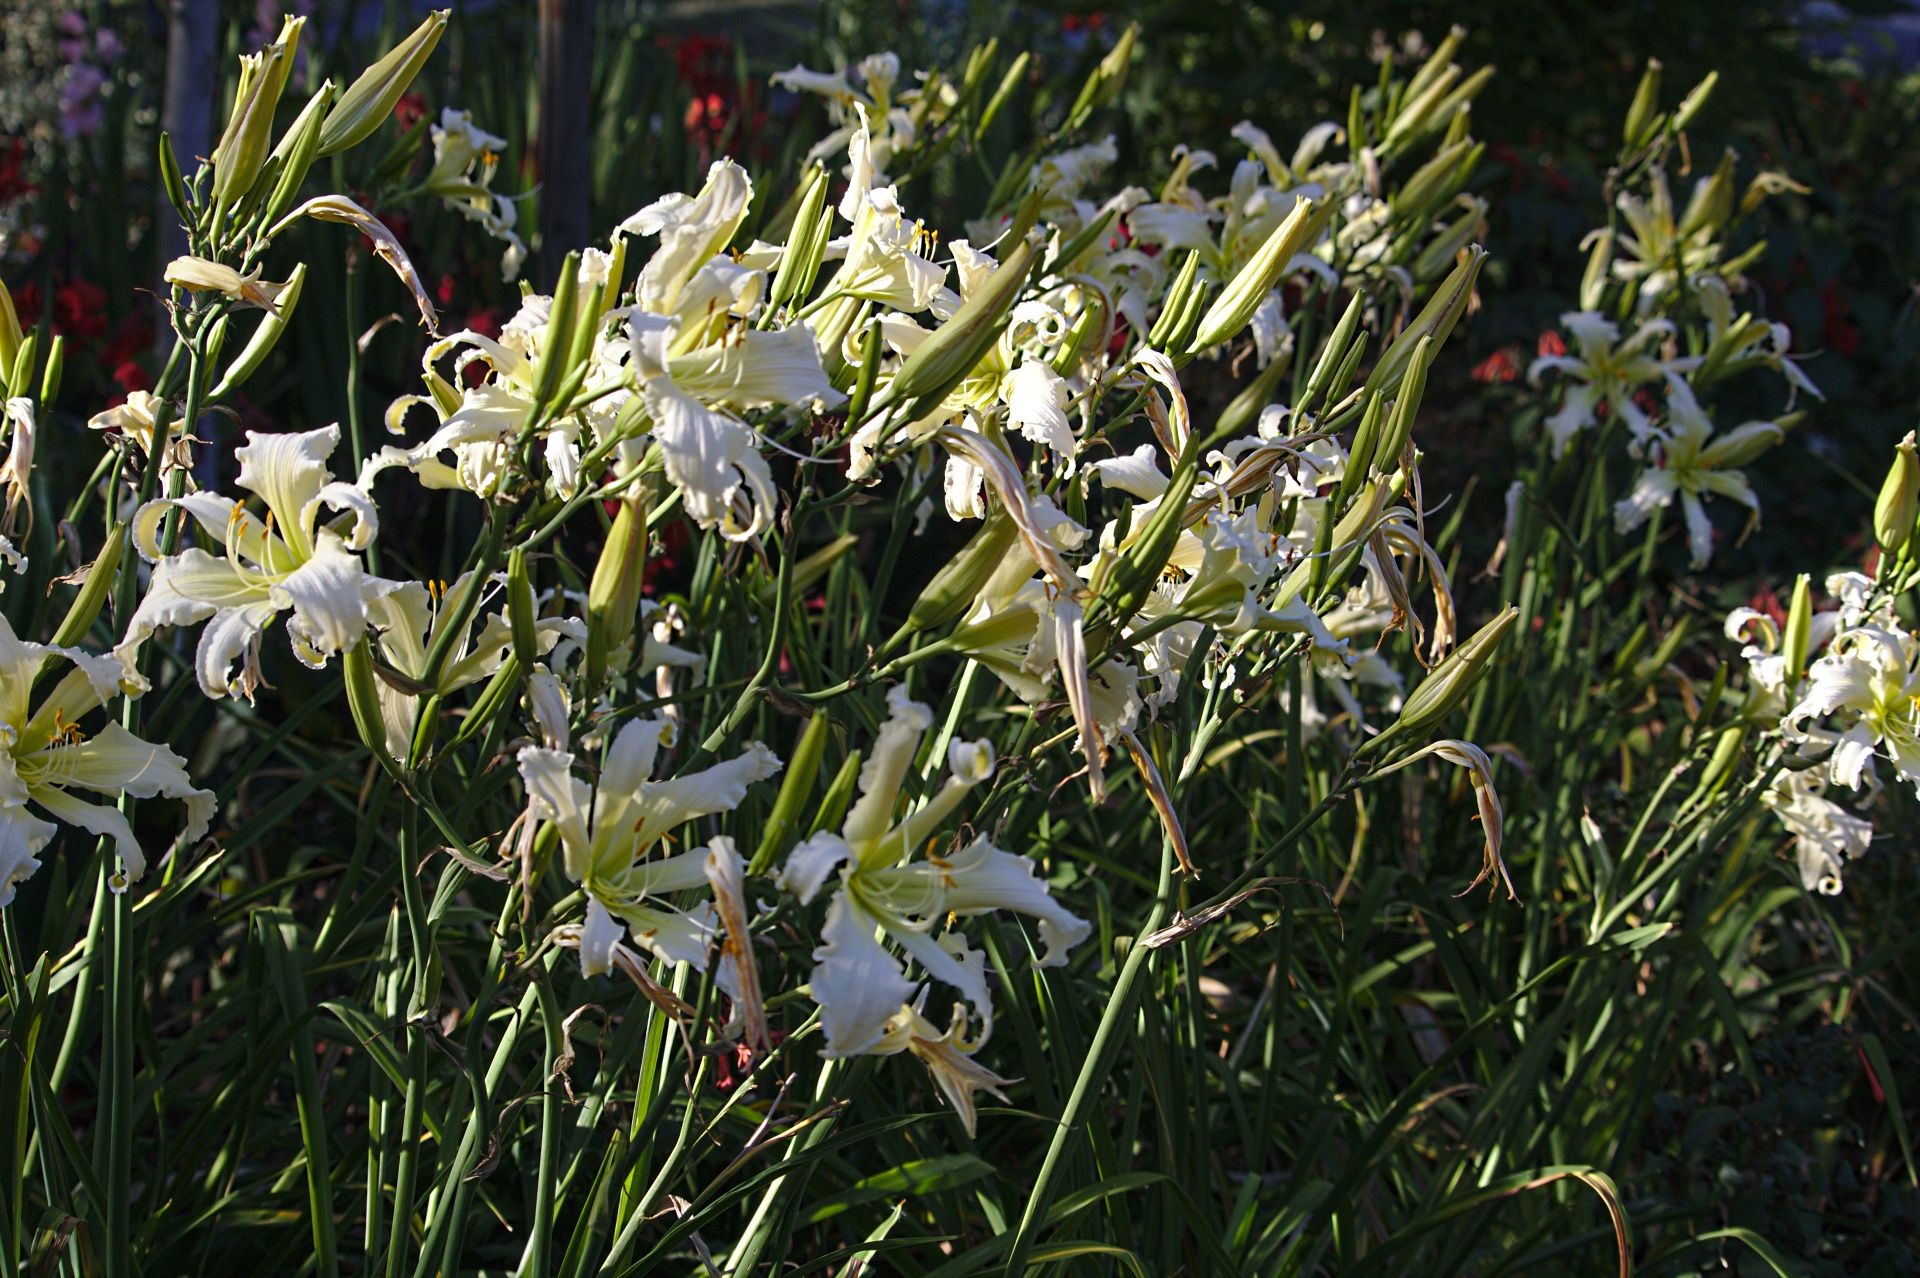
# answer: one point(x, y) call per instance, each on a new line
point(804, 739)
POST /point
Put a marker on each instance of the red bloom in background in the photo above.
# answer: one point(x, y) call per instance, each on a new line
point(132, 377)
point(1550, 344)
point(1501, 366)
point(131, 337)
point(410, 108)
point(717, 118)
point(13, 172)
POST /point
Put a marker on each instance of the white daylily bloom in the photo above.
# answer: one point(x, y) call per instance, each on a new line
point(289, 561)
point(607, 831)
point(1137, 473)
point(692, 229)
point(1605, 369)
point(198, 275)
point(464, 161)
point(1684, 462)
point(45, 752)
point(947, 1056)
point(17, 471)
point(1868, 687)
point(859, 986)
point(1825, 835)
point(1037, 406)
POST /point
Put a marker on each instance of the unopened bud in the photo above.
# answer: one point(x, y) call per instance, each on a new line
point(296, 152)
point(363, 699)
point(960, 579)
point(1400, 421)
point(1712, 203)
point(1335, 351)
point(800, 263)
point(942, 361)
point(1104, 85)
point(371, 98)
point(55, 370)
point(1436, 320)
point(86, 605)
point(613, 596)
point(520, 611)
point(1643, 115)
point(1252, 283)
point(795, 789)
point(1593, 282)
point(243, 147)
point(9, 334)
point(1173, 306)
point(1795, 639)
point(839, 795)
point(1441, 692)
point(1691, 104)
point(265, 336)
point(1893, 513)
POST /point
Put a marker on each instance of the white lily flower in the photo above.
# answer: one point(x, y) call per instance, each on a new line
point(1687, 464)
point(44, 753)
point(289, 561)
point(1605, 369)
point(692, 229)
point(859, 986)
point(1825, 835)
point(198, 275)
point(947, 1056)
point(1037, 406)
point(1869, 684)
point(607, 831)
point(134, 419)
point(464, 161)
point(17, 471)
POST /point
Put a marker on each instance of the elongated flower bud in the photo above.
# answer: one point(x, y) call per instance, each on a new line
point(1256, 279)
point(296, 153)
point(1244, 409)
point(1335, 351)
point(86, 605)
point(1643, 115)
point(795, 789)
point(56, 369)
point(945, 359)
point(1012, 80)
point(1893, 513)
point(1400, 421)
point(1436, 320)
point(613, 596)
point(839, 795)
point(1593, 282)
point(1712, 202)
point(960, 579)
point(1691, 104)
point(372, 97)
point(1173, 307)
point(1798, 634)
point(520, 609)
point(800, 263)
point(1426, 188)
point(243, 147)
point(265, 337)
point(1441, 692)
point(1366, 438)
point(363, 699)
point(1142, 562)
point(1720, 765)
point(1104, 85)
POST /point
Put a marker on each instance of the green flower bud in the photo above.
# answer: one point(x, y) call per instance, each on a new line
point(1008, 83)
point(265, 336)
point(956, 347)
point(1436, 320)
point(1426, 188)
point(1360, 457)
point(556, 350)
point(796, 787)
point(1444, 252)
point(86, 605)
point(1442, 692)
point(176, 186)
point(960, 578)
point(1252, 282)
point(1712, 203)
point(1334, 351)
point(363, 699)
point(1799, 630)
point(520, 609)
point(613, 596)
point(1721, 764)
point(1142, 561)
point(1894, 511)
point(243, 147)
point(56, 368)
point(1244, 409)
point(1691, 104)
point(1173, 306)
point(371, 98)
point(20, 381)
point(1400, 421)
point(839, 795)
point(1593, 282)
point(1104, 85)
point(800, 264)
point(1643, 117)
point(296, 152)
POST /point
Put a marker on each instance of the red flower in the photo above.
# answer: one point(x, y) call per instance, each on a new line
point(132, 377)
point(485, 321)
point(445, 290)
point(410, 108)
point(1501, 366)
point(133, 336)
point(1768, 604)
point(13, 172)
point(1550, 344)
point(80, 310)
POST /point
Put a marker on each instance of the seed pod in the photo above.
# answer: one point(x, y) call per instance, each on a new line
point(372, 97)
point(1643, 117)
point(1441, 692)
point(86, 605)
point(613, 596)
point(1894, 511)
point(1799, 630)
point(265, 336)
point(1252, 283)
point(520, 609)
point(796, 787)
point(1334, 352)
point(839, 795)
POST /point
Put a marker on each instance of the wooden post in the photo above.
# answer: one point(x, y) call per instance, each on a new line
point(566, 73)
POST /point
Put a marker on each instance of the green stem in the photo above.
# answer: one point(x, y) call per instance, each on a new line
point(1093, 1072)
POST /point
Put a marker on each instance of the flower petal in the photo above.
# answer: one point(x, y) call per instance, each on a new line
point(858, 985)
